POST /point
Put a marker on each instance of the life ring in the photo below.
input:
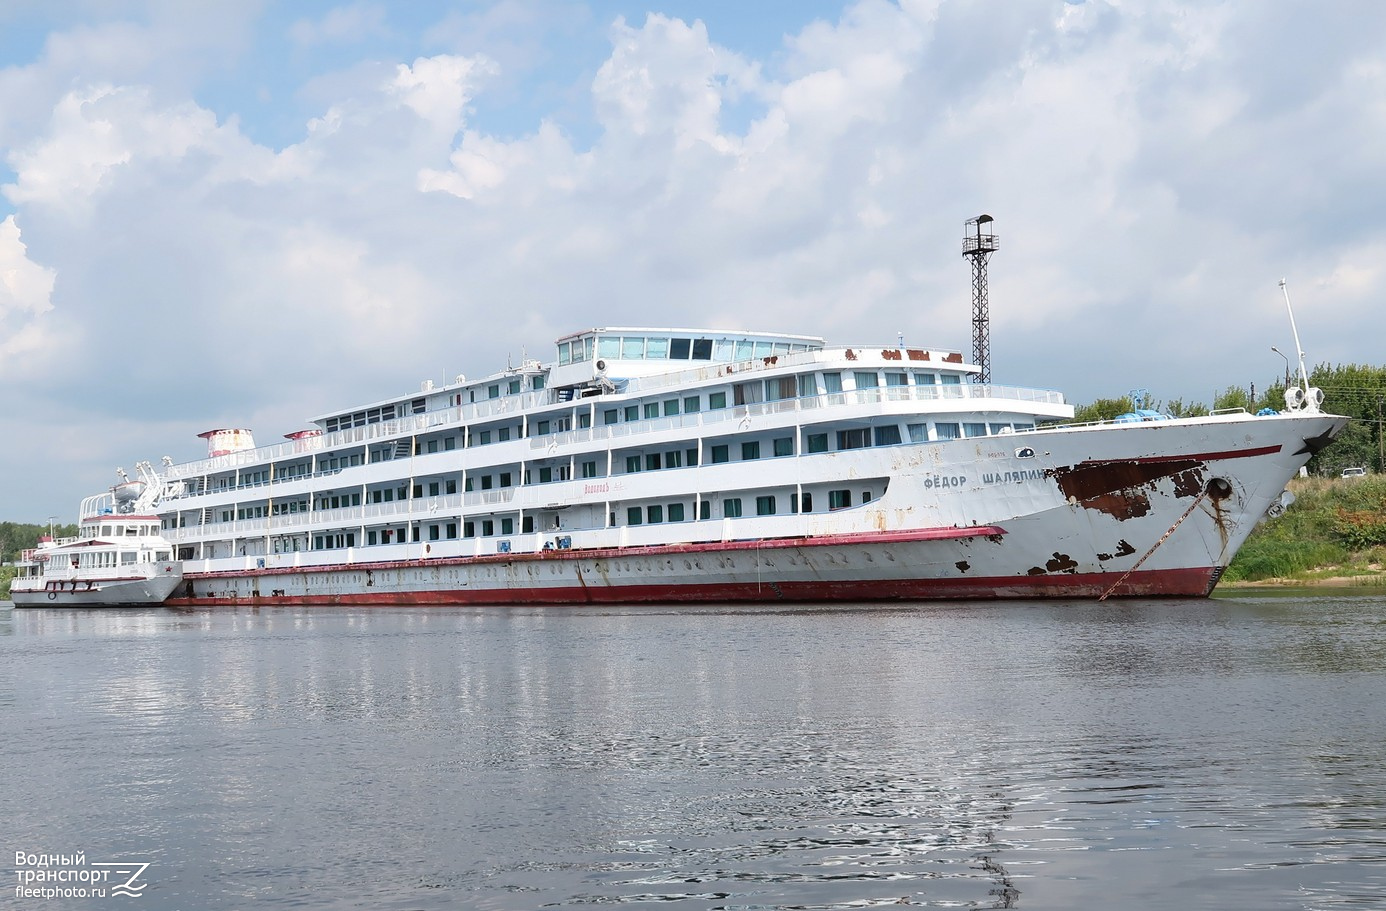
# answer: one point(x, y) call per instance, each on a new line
point(52, 595)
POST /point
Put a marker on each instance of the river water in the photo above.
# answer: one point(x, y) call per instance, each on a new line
point(1217, 754)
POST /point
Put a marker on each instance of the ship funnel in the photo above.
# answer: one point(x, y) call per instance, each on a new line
point(222, 442)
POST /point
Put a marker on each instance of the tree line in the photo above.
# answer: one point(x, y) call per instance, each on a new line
point(18, 536)
point(1357, 391)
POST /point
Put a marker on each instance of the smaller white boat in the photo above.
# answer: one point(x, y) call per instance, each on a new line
point(118, 559)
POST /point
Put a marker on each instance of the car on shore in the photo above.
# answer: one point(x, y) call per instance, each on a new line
point(1354, 473)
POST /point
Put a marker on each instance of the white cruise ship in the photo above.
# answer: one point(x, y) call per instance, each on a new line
point(709, 465)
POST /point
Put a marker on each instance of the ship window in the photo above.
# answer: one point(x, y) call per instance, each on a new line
point(450, 486)
point(469, 529)
point(832, 382)
point(632, 464)
point(633, 515)
point(896, 379)
point(1000, 428)
point(541, 428)
point(731, 508)
point(765, 506)
point(589, 469)
point(633, 349)
point(128, 558)
point(750, 450)
point(657, 349)
point(807, 386)
point(370, 538)
point(655, 514)
point(675, 512)
point(505, 479)
point(865, 497)
point(538, 383)
point(468, 485)
point(691, 456)
point(507, 526)
point(678, 349)
point(1019, 427)
point(866, 379)
point(692, 404)
point(720, 454)
point(527, 525)
point(702, 349)
point(745, 350)
point(784, 446)
point(608, 346)
point(952, 379)
point(946, 431)
point(565, 353)
point(545, 475)
point(632, 412)
point(673, 459)
point(765, 349)
point(418, 491)
point(783, 387)
point(611, 416)
point(651, 410)
point(801, 504)
point(493, 391)
point(888, 435)
point(652, 461)
point(839, 499)
point(502, 434)
point(818, 442)
point(671, 407)
point(514, 387)
point(704, 509)
point(484, 438)
point(584, 420)
point(716, 400)
point(919, 433)
point(747, 393)
point(858, 438)
point(434, 533)
point(452, 531)
point(488, 528)
point(433, 488)
point(486, 482)
point(974, 430)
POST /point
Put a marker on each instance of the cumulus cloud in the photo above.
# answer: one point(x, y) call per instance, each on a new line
point(1154, 168)
point(25, 295)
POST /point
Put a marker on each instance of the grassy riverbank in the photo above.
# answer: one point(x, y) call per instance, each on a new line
point(1335, 533)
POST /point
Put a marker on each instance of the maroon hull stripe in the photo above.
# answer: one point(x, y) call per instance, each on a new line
point(1196, 582)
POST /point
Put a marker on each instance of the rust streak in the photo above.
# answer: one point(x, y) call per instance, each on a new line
point(1120, 488)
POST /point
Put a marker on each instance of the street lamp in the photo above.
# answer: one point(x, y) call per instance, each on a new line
point(50, 528)
point(1287, 365)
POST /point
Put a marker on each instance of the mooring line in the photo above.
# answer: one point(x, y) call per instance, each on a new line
point(1177, 522)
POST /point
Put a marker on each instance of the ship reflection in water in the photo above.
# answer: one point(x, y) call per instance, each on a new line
point(1193, 754)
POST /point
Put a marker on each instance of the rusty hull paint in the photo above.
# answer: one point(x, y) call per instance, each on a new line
point(1121, 489)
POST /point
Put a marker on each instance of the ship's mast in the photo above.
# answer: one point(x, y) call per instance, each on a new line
point(978, 246)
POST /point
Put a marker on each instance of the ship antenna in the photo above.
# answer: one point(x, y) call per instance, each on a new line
point(1303, 374)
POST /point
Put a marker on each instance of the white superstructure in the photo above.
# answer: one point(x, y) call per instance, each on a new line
point(667, 464)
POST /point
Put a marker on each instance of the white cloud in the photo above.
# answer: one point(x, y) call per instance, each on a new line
point(348, 24)
point(1151, 172)
point(25, 295)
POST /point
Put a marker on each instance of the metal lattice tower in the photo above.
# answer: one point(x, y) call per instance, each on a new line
point(978, 246)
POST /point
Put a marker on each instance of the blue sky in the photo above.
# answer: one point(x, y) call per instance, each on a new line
point(245, 214)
